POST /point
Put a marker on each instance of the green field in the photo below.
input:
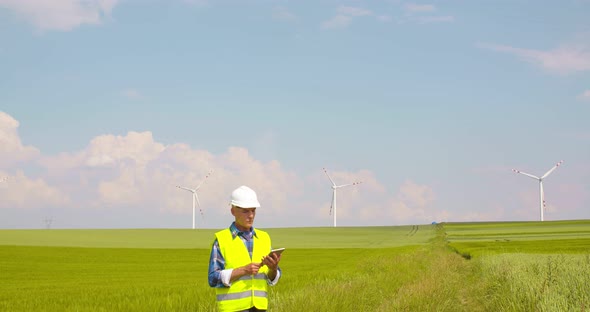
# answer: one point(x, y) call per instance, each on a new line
point(568, 237)
point(347, 237)
point(526, 266)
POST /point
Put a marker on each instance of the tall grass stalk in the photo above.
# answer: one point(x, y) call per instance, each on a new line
point(530, 282)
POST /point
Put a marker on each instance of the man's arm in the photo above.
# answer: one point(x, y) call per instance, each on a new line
point(217, 271)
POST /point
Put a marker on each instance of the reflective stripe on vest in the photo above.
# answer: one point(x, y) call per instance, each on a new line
point(241, 295)
point(250, 290)
point(249, 277)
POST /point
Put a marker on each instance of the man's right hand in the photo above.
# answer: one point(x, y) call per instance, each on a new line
point(248, 269)
point(251, 269)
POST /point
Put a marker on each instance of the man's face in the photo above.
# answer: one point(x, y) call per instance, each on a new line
point(244, 217)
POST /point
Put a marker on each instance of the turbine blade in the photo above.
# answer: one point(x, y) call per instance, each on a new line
point(208, 174)
point(197, 198)
point(334, 184)
point(526, 174)
point(350, 184)
point(552, 169)
point(198, 204)
point(185, 188)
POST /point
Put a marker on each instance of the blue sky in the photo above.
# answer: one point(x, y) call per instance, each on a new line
point(107, 105)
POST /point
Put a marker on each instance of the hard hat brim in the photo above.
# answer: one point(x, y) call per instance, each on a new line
point(240, 204)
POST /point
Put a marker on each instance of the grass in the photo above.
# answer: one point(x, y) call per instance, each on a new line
point(406, 268)
point(532, 266)
point(93, 279)
point(495, 231)
point(342, 237)
point(476, 239)
point(397, 279)
point(132, 238)
point(521, 282)
point(101, 279)
point(166, 270)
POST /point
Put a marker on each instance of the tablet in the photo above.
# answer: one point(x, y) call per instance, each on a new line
point(277, 251)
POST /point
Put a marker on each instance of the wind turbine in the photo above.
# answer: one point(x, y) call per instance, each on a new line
point(4, 181)
point(541, 193)
point(334, 188)
point(195, 196)
point(48, 222)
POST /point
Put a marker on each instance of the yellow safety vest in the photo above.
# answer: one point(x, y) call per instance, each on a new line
point(250, 290)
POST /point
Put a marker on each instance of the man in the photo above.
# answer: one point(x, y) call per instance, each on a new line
point(241, 267)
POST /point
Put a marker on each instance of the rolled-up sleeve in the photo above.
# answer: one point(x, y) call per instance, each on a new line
point(276, 280)
point(216, 266)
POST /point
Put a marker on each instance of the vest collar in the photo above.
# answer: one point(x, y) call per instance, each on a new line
point(235, 232)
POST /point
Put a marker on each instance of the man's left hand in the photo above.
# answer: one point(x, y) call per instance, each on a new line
point(272, 261)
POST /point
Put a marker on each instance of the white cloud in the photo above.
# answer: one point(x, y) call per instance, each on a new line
point(126, 189)
point(337, 22)
point(384, 18)
point(63, 15)
point(563, 60)
point(136, 172)
point(154, 185)
point(344, 17)
point(585, 96)
point(283, 14)
point(134, 177)
point(137, 147)
point(416, 13)
point(99, 160)
point(353, 11)
point(109, 172)
point(412, 7)
point(105, 153)
point(132, 94)
point(413, 204)
point(23, 192)
point(11, 149)
point(416, 195)
point(435, 19)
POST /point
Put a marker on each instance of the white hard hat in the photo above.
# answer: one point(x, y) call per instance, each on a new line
point(244, 197)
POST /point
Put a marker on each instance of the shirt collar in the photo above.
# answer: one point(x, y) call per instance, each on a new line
point(235, 232)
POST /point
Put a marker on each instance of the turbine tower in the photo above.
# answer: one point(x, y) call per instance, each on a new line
point(541, 193)
point(195, 196)
point(334, 188)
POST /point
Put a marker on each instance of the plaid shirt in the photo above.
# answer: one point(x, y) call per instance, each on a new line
point(216, 261)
